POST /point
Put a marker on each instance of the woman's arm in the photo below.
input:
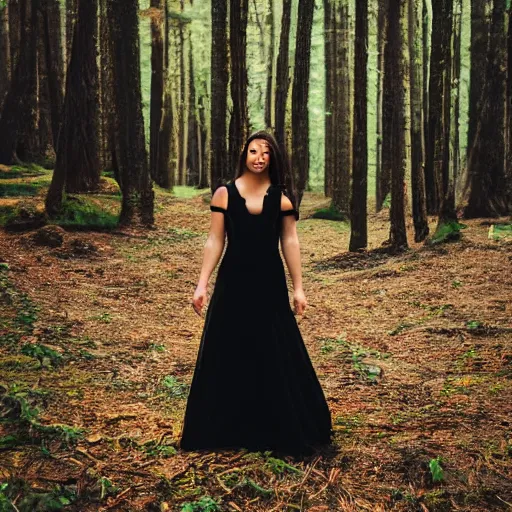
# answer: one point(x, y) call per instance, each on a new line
point(212, 249)
point(291, 252)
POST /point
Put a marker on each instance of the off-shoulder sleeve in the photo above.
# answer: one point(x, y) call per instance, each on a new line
point(290, 212)
point(217, 209)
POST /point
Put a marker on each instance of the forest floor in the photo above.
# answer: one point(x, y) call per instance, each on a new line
point(98, 342)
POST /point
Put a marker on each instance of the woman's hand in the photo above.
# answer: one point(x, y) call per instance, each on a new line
point(299, 301)
point(199, 299)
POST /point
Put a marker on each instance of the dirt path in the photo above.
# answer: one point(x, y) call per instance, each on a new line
point(414, 353)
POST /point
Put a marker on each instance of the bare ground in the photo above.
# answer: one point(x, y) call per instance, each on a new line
point(414, 353)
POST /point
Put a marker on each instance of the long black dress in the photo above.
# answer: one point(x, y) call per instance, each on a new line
point(254, 385)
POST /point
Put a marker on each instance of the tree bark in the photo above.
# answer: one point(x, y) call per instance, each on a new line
point(193, 158)
point(358, 206)
point(300, 96)
point(477, 84)
point(270, 66)
point(203, 138)
point(330, 90)
point(419, 203)
point(107, 122)
point(5, 54)
point(449, 127)
point(71, 17)
point(388, 109)
point(487, 195)
point(436, 140)
point(184, 107)
point(14, 32)
point(54, 63)
point(18, 129)
point(219, 88)
point(238, 126)
point(342, 112)
point(381, 181)
point(80, 155)
point(135, 181)
point(282, 75)
point(157, 83)
point(395, 58)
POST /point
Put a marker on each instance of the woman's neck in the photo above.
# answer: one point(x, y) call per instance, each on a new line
point(255, 181)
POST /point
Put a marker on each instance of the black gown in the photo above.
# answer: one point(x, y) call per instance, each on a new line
point(254, 385)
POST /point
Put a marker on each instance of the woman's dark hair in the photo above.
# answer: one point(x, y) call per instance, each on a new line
point(278, 169)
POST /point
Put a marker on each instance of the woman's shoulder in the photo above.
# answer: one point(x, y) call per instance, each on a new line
point(220, 197)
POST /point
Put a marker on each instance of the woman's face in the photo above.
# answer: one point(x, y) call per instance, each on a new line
point(258, 156)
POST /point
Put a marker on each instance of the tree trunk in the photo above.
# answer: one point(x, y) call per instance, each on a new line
point(107, 122)
point(219, 89)
point(166, 158)
point(71, 17)
point(342, 113)
point(436, 142)
point(203, 138)
point(81, 152)
point(43, 104)
point(300, 95)
point(282, 75)
point(193, 146)
point(270, 66)
point(419, 204)
point(395, 58)
point(358, 206)
point(54, 63)
point(5, 54)
point(14, 32)
point(449, 128)
point(381, 181)
point(477, 85)
point(18, 118)
point(238, 126)
point(138, 196)
point(427, 51)
point(330, 90)
point(487, 196)
point(183, 110)
point(508, 146)
point(157, 83)
point(388, 109)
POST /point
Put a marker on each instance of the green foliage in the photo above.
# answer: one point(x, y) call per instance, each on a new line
point(174, 387)
point(107, 488)
point(153, 449)
point(42, 353)
point(79, 212)
point(25, 311)
point(20, 189)
point(474, 324)
point(500, 231)
point(23, 212)
point(330, 213)
point(436, 470)
point(204, 504)
point(447, 232)
point(106, 317)
point(279, 466)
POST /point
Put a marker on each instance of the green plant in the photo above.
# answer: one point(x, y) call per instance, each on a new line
point(279, 466)
point(204, 504)
point(175, 388)
point(474, 324)
point(83, 213)
point(42, 353)
point(436, 470)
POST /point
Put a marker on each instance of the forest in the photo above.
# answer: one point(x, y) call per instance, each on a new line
point(120, 118)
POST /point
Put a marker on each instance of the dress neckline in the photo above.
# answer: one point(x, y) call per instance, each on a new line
point(245, 201)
